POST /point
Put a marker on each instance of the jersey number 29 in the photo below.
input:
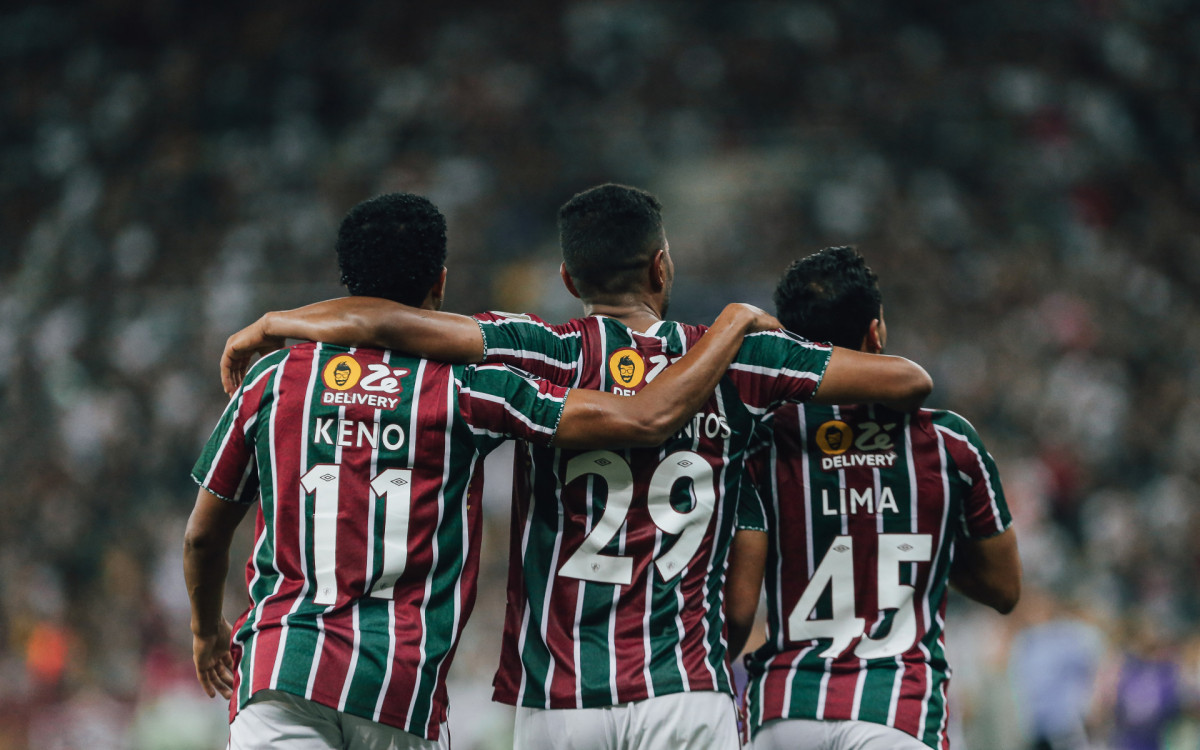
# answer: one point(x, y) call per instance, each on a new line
point(588, 562)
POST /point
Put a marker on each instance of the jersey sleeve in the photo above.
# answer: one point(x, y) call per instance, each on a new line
point(500, 401)
point(226, 466)
point(532, 344)
point(985, 511)
point(755, 489)
point(777, 367)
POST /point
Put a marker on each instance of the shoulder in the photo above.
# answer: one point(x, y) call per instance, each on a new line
point(269, 362)
point(948, 421)
point(775, 348)
point(500, 319)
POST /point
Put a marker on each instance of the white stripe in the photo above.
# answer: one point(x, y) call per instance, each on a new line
point(823, 691)
point(794, 338)
point(275, 496)
point(987, 478)
point(528, 611)
point(775, 372)
point(533, 355)
point(514, 321)
point(534, 426)
point(441, 501)
point(550, 585)
point(859, 681)
point(229, 432)
point(612, 627)
point(576, 645)
point(353, 657)
point(409, 464)
point(337, 459)
point(723, 498)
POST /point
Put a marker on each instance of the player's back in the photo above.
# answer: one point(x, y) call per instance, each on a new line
point(862, 509)
point(365, 563)
point(618, 556)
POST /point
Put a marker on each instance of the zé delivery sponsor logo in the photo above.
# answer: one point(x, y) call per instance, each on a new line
point(346, 383)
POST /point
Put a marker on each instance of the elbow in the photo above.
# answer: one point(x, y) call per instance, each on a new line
point(649, 430)
point(1007, 597)
point(199, 542)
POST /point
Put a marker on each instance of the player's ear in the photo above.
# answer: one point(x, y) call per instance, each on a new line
point(438, 291)
point(660, 272)
point(875, 337)
point(567, 280)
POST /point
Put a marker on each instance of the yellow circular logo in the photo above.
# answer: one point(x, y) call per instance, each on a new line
point(627, 367)
point(342, 373)
point(834, 437)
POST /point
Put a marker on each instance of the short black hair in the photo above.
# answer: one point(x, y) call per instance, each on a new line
point(609, 234)
point(392, 246)
point(829, 296)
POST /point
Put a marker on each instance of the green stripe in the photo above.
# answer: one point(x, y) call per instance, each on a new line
point(665, 676)
point(877, 690)
point(594, 652)
point(537, 570)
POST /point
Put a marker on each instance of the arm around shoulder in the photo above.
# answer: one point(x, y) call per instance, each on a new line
point(854, 377)
point(593, 418)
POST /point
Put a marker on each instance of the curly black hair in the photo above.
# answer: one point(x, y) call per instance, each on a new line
point(392, 246)
point(609, 234)
point(829, 296)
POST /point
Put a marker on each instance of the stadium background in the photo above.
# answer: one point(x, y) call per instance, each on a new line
point(1025, 177)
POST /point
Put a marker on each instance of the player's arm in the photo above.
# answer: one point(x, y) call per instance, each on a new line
point(665, 404)
point(205, 564)
point(355, 321)
point(988, 570)
point(743, 584)
point(859, 378)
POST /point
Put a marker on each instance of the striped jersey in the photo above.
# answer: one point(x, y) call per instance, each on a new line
point(364, 569)
point(862, 507)
point(618, 556)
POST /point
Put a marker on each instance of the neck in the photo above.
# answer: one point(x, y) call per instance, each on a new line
point(638, 313)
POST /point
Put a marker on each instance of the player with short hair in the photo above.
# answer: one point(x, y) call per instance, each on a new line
point(867, 516)
point(367, 465)
point(614, 634)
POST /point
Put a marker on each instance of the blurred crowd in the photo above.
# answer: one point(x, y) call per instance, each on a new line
point(1024, 177)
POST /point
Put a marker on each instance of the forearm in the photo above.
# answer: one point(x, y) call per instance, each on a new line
point(859, 378)
point(204, 571)
point(663, 405)
point(682, 389)
point(371, 321)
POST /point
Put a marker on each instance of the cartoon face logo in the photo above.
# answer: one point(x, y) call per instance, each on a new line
point(341, 373)
point(834, 437)
point(627, 367)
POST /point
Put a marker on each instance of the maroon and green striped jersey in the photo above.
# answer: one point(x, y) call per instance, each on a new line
point(368, 465)
point(862, 507)
point(618, 556)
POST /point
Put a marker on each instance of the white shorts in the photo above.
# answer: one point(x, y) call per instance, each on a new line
point(681, 721)
point(792, 734)
point(274, 719)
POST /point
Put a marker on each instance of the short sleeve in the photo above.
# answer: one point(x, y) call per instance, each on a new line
point(501, 401)
point(751, 513)
point(532, 344)
point(985, 510)
point(227, 466)
point(777, 367)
